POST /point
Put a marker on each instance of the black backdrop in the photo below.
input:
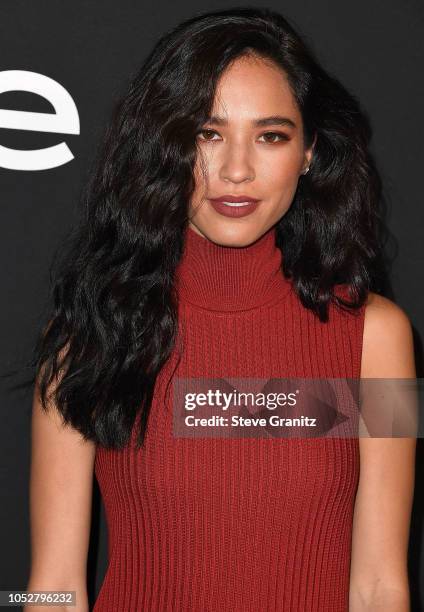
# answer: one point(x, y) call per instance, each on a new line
point(88, 50)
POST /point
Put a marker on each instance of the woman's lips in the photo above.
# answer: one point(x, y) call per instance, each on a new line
point(234, 209)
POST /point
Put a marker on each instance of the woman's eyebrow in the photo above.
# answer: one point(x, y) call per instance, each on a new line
point(259, 122)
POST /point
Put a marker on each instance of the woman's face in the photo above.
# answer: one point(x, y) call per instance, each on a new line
point(247, 151)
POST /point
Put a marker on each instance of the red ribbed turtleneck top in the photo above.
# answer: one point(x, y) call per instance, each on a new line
point(235, 524)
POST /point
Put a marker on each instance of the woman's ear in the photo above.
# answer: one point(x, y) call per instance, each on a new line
point(309, 153)
point(308, 156)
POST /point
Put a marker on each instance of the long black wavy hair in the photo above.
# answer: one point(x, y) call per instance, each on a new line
point(114, 319)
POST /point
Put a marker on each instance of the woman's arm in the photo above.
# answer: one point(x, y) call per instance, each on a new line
point(379, 577)
point(60, 507)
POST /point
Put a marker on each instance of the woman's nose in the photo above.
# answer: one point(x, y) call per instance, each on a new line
point(237, 164)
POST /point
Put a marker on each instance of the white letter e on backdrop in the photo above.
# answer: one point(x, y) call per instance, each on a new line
point(65, 121)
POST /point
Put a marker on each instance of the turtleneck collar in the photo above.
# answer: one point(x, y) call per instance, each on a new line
point(225, 278)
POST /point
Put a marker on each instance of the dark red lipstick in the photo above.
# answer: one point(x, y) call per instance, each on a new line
point(235, 206)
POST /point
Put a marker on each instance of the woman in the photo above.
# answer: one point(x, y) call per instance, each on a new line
point(231, 231)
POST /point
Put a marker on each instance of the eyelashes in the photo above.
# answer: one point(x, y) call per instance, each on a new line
point(277, 136)
point(280, 135)
point(206, 132)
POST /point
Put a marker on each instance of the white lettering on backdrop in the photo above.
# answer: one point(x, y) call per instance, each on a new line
point(64, 121)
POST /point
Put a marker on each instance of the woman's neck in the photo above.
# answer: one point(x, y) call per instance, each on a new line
point(223, 278)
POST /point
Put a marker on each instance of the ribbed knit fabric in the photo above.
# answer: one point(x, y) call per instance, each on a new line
point(235, 524)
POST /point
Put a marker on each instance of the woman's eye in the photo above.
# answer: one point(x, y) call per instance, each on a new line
point(206, 134)
point(275, 137)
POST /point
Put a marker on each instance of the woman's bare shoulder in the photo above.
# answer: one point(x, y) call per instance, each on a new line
point(387, 340)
